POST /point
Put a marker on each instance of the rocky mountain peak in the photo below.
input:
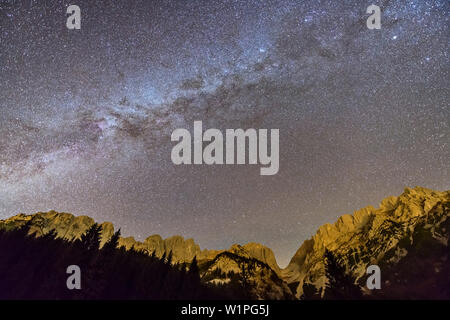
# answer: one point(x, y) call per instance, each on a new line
point(367, 235)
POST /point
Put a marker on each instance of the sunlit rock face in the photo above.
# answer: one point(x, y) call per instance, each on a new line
point(369, 236)
point(66, 225)
point(70, 227)
point(236, 264)
point(183, 250)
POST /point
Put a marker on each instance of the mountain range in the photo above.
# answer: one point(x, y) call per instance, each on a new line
point(412, 228)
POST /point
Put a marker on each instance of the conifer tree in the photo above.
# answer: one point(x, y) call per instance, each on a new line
point(169, 258)
point(193, 269)
point(340, 284)
point(91, 239)
point(113, 242)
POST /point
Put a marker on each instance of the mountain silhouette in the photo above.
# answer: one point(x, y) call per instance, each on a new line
point(407, 237)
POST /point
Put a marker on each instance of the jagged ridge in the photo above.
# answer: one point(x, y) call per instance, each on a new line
point(369, 236)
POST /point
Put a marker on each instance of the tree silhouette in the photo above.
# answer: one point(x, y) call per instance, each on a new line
point(51, 235)
point(245, 275)
point(169, 258)
point(90, 240)
point(113, 242)
point(35, 268)
point(340, 284)
point(310, 292)
point(193, 268)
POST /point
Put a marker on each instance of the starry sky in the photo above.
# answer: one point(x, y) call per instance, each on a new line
point(86, 115)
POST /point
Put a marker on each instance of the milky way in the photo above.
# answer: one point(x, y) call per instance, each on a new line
point(86, 115)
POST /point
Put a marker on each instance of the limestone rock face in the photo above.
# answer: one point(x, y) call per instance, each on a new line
point(368, 235)
point(66, 225)
point(237, 264)
point(253, 263)
point(264, 254)
point(183, 250)
point(70, 227)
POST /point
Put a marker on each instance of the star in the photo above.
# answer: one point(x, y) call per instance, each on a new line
point(86, 116)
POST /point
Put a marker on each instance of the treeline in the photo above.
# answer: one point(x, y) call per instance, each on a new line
point(424, 273)
point(35, 268)
point(340, 285)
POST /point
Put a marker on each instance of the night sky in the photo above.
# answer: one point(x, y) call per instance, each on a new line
point(86, 115)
